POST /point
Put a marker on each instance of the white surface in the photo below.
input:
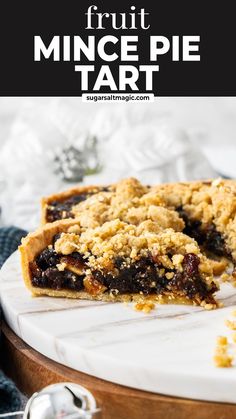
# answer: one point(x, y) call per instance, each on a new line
point(168, 351)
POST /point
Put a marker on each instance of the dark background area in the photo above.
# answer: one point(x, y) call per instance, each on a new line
point(214, 75)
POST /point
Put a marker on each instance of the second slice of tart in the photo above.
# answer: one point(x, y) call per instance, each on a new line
point(208, 209)
point(127, 200)
point(117, 262)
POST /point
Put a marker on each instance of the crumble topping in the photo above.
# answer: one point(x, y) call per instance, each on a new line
point(130, 202)
point(118, 239)
point(219, 267)
point(67, 243)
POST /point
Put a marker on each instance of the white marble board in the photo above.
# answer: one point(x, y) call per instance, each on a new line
point(168, 351)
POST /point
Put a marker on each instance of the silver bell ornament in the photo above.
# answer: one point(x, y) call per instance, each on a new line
point(72, 163)
point(61, 401)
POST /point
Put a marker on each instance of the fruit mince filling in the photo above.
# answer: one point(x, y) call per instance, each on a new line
point(145, 276)
point(58, 210)
point(208, 237)
point(45, 271)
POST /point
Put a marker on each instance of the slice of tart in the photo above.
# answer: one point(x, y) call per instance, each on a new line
point(117, 262)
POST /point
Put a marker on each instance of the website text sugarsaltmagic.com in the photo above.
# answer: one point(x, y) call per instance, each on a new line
point(117, 97)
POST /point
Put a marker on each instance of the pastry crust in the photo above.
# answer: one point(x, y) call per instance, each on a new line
point(34, 243)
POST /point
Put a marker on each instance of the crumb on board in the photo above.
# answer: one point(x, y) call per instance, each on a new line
point(231, 324)
point(234, 337)
point(145, 306)
point(222, 359)
point(208, 306)
point(222, 340)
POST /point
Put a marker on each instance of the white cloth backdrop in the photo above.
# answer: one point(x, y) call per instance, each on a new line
point(172, 139)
